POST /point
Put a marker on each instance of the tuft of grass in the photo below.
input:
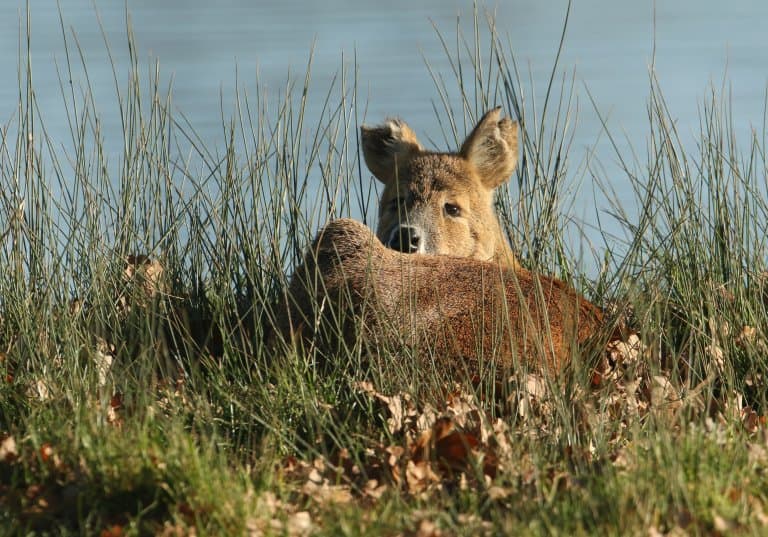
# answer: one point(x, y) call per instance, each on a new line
point(138, 396)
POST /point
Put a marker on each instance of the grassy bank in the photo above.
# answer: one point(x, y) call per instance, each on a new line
point(138, 397)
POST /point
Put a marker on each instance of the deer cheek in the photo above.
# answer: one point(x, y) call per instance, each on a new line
point(460, 239)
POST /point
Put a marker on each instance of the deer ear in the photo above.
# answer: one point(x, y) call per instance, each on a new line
point(387, 146)
point(492, 148)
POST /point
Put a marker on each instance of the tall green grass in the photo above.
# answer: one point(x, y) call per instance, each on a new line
point(151, 403)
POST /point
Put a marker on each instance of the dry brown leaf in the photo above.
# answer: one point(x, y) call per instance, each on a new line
point(102, 359)
point(373, 489)
point(420, 477)
point(731, 405)
point(289, 464)
point(531, 398)
point(325, 493)
point(114, 530)
point(342, 461)
point(626, 352)
point(395, 453)
point(427, 417)
point(75, 307)
point(504, 455)
point(634, 393)
point(453, 451)
point(319, 464)
point(747, 335)
point(315, 476)
point(718, 328)
point(496, 493)
point(398, 405)
point(751, 420)
point(318, 487)
point(463, 407)
point(420, 449)
point(8, 451)
point(299, 524)
point(46, 452)
point(177, 530)
point(717, 357)
point(40, 391)
point(725, 525)
point(662, 391)
point(756, 509)
point(114, 416)
point(144, 281)
point(427, 528)
point(145, 271)
point(476, 524)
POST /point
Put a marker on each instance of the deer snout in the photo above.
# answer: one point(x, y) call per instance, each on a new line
point(406, 239)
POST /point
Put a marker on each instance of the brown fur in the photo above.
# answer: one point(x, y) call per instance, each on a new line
point(466, 312)
point(443, 203)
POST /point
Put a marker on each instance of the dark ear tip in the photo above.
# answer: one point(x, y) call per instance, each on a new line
point(492, 114)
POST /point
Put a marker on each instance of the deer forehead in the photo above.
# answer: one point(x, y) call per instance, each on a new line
point(432, 173)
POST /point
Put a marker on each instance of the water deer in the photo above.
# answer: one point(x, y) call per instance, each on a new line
point(439, 276)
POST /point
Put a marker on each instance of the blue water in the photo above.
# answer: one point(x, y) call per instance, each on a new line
point(202, 46)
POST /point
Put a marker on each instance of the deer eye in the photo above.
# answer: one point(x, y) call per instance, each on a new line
point(452, 210)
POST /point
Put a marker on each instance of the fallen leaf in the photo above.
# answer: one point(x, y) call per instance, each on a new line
point(40, 391)
point(453, 450)
point(112, 531)
point(113, 410)
point(420, 477)
point(315, 477)
point(427, 528)
point(8, 451)
point(750, 419)
point(626, 352)
point(146, 271)
point(46, 452)
point(395, 453)
point(747, 335)
point(373, 489)
point(398, 406)
point(717, 357)
point(102, 359)
point(498, 493)
point(427, 417)
point(325, 493)
point(664, 395)
point(299, 524)
point(724, 525)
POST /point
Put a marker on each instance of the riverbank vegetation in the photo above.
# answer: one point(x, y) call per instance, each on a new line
point(137, 395)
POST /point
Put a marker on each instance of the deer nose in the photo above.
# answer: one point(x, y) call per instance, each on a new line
point(405, 239)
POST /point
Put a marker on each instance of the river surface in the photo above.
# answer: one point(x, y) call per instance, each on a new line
point(208, 48)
